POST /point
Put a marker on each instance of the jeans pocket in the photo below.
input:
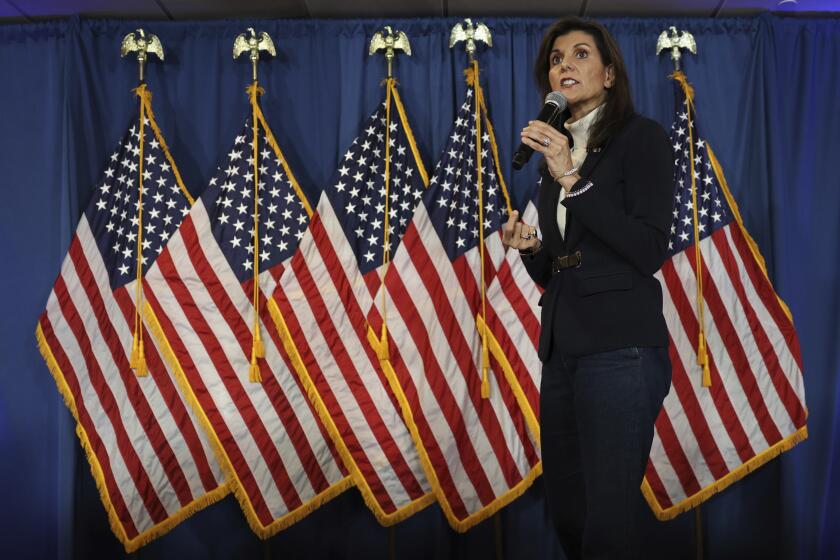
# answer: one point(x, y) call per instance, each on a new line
point(629, 356)
point(629, 353)
point(615, 369)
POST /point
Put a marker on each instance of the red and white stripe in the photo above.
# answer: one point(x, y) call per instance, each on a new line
point(268, 433)
point(757, 397)
point(325, 302)
point(513, 314)
point(153, 459)
point(481, 451)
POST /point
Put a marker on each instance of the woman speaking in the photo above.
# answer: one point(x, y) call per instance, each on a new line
point(604, 210)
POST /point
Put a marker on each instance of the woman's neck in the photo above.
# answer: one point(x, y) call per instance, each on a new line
point(580, 111)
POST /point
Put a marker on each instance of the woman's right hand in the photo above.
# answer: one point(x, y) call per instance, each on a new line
point(519, 235)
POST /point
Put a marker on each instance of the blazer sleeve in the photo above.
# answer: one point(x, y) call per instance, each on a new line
point(641, 236)
point(538, 267)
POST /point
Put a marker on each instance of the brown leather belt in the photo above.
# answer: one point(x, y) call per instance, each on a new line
point(564, 262)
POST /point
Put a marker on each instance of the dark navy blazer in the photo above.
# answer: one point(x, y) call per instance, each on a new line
point(620, 226)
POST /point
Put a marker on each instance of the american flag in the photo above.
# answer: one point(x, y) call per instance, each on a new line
point(513, 315)
point(478, 451)
point(268, 438)
point(754, 409)
point(152, 464)
point(327, 297)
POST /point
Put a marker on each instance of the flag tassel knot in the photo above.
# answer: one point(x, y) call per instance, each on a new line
point(259, 347)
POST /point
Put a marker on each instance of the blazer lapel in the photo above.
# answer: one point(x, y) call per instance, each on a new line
point(592, 159)
point(573, 230)
point(547, 210)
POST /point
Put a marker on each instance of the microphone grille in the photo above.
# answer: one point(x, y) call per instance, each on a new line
point(557, 98)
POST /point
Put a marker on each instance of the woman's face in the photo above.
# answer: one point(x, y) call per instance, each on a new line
point(576, 69)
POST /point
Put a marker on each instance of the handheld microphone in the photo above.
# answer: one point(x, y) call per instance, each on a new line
point(555, 104)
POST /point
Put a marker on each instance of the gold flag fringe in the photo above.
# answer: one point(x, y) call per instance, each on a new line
point(262, 531)
point(385, 519)
point(150, 534)
point(773, 451)
point(459, 525)
point(696, 499)
point(462, 525)
point(131, 545)
point(493, 345)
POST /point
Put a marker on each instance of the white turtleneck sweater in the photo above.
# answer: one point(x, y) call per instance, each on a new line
point(580, 136)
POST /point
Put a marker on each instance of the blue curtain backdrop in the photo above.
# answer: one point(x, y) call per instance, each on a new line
point(767, 95)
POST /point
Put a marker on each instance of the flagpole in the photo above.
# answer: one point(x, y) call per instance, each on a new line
point(498, 533)
point(469, 34)
point(698, 532)
point(392, 542)
point(673, 41)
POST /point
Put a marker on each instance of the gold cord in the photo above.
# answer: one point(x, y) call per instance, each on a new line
point(137, 361)
point(257, 347)
point(485, 353)
point(702, 353)
point(383, 351)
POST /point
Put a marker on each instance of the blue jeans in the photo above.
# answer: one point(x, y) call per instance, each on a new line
point(597, 415)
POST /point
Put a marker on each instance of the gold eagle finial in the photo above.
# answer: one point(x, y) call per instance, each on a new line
point(675, 41)
point(142, 44)
point(253, 43)
point(391, 41)
point(469, 33)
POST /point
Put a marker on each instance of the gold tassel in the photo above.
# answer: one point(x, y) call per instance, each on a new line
point(135, 353)
point(383, 352)
point(141, 369)
point(485, 367)
point(254, 375)
point(703, 360)
point(137, 361)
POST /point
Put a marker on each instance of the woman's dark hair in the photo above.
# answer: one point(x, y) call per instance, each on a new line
point(618, 107)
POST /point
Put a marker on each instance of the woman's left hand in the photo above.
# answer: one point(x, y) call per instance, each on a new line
point(554, 146)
